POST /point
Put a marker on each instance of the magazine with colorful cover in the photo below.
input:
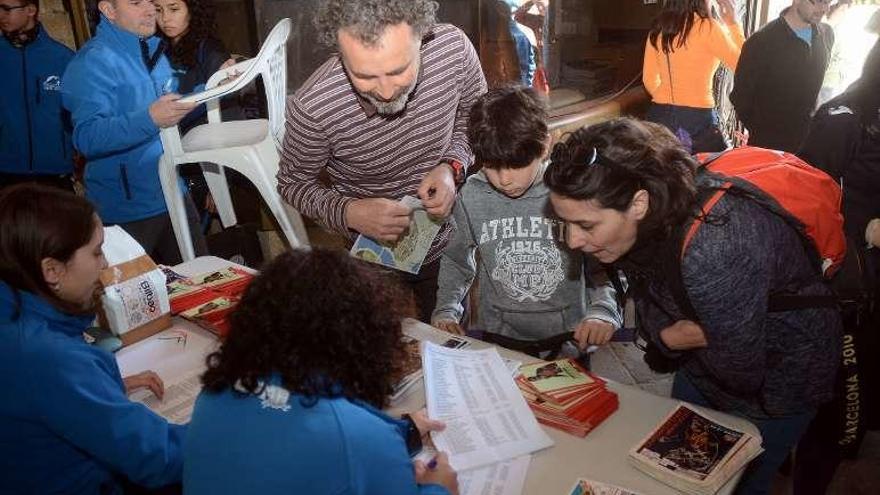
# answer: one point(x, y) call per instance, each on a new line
point(693, 452)
point(589, 487)
point(408, 253)
point(556, 376)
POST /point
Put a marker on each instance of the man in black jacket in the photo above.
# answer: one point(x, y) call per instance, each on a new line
point(844, 140)
point(779, 75)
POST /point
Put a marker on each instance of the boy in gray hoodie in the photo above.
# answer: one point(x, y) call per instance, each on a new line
point(531, 286)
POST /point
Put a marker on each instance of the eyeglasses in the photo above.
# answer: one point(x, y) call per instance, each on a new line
point(823, 3)
point(7, 9)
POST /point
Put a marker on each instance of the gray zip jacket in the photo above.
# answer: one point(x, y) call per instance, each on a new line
point(530, 285)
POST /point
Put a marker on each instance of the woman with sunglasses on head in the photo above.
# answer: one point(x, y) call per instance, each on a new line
point(66, 424)
point(627, 189)
point(685, 46)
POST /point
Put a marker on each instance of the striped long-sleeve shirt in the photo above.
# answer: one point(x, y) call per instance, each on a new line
point(367, 155)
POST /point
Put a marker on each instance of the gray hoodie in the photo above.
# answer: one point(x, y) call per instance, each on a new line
point(530, 285)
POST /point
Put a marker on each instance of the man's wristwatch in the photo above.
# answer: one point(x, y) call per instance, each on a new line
point(457, 171)
point(413, 436)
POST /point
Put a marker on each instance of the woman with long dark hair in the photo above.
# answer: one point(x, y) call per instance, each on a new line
point(684, 49)
point(188, 28)
point(293, 398)
point(627, 191)
point(66, 424)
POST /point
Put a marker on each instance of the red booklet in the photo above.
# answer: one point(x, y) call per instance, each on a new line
point(208, 299)
point(563, 395)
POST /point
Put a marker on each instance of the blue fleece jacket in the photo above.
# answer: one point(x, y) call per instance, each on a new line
point(66, 425)
point(34, 132)
point(274, 444)
point(108, 91)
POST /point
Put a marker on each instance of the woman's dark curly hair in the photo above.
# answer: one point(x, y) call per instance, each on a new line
point(627, 155)
point(328, 324)
point(202, 26)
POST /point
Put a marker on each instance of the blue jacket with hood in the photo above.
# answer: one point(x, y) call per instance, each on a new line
point(34, 132)
point(66, 425)
point(108, 90)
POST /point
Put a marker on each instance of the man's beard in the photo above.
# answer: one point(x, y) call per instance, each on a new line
point(395, 105)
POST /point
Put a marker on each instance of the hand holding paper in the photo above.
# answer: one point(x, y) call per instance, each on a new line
point(411, 242)
point(378, 218)
point(437, 191)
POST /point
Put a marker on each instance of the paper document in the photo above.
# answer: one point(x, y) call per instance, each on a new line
point(487, 419)
point(177, 404)
point(172, 353)
point(502, 478)
point(408, 253)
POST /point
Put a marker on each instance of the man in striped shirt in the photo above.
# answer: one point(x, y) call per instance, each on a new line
point(385, 117)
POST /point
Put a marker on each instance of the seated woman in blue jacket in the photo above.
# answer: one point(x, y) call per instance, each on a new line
point(66, 424)
point(625, 189)
point(291, 401)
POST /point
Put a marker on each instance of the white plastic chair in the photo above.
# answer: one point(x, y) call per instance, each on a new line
point(249, 147)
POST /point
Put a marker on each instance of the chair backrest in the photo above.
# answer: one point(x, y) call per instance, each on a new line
point(272, 64)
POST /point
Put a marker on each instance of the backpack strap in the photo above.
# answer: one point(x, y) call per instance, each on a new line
point(708, 197)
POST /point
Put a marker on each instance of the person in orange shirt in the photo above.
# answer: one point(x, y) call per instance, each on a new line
point(684, 49)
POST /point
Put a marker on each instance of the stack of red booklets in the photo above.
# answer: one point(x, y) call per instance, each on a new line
point(565, 396)
point(208, 299)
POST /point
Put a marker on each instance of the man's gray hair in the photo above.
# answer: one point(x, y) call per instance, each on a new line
point(367, 19)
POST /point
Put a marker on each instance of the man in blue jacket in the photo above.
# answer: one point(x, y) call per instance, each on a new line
point(119, 90)
point(34, 133)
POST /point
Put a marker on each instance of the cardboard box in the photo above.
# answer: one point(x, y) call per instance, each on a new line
point(134, 300)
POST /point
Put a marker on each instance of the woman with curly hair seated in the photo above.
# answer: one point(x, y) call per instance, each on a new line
point(292, 400)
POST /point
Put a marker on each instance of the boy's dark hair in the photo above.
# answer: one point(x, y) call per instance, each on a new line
point(507, 128)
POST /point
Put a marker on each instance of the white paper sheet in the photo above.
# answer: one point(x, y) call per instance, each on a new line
point(177, 404)
point(503, 478)
point(172, 353)
point(487, 419)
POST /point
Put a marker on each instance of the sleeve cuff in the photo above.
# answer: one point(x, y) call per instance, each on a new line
point(338, 221)
point(144, 122)
point(665, 350)
point(600, 311)
point(446, 314)
point(466, 160)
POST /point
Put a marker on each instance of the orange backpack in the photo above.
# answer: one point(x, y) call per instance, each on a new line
point(806, 197)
